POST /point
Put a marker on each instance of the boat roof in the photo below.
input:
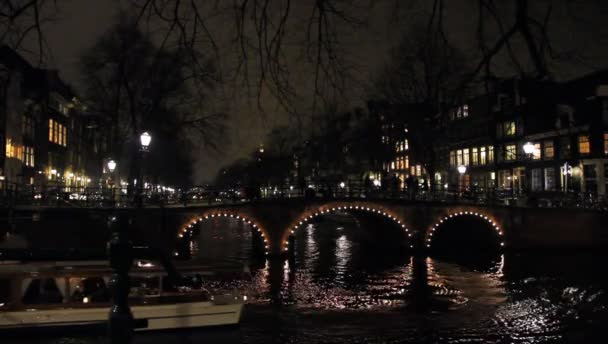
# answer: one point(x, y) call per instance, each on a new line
point(98, 268)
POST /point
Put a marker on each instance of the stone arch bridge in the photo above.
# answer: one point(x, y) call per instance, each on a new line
point(274, 221)
point(517, 227)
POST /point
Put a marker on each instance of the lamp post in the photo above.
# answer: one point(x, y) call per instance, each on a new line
point(462, 169)
point(144, 139)
point(111, 164)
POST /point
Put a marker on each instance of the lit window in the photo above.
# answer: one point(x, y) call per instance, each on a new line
point(392, 165)
point(537, 152)
point(413, 170)
point(459, 157)
point(510, 152)
point(57, 133)
point(490, 154)
point(28, 156)
point(465, 155)
point(606, 143)
point(13, 150)
point(453, 158)
point(407, 162)
point(418, 170)
point(509, 128)
point(462, 111)
point(549, 149)
point(482, 155)
point(407, 145)
point(474, 156)
point(583, 144)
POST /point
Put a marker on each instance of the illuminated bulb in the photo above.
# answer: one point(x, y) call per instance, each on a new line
point(212, 215)
point(502, 244)
point(409, 234)
point(428, 245)
point(286, 249)
point(292, 232)
point(259, 230)
point(254, 225)
point(85, 300)
point(181, 235)
point(266, 247)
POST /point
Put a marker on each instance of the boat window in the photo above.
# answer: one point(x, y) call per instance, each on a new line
point(42, 291)
point(191, 281)
point(89, 290)
point(145, 286)
point(5, 292)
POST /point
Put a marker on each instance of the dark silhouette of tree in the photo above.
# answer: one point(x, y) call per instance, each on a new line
point(142, 87)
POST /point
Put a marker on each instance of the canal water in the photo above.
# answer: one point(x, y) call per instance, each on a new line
point(348, 283)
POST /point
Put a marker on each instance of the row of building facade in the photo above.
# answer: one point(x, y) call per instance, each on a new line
point(50, 138)
point(479, 144)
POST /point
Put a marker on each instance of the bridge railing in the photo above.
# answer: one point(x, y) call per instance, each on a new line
point(118, 197)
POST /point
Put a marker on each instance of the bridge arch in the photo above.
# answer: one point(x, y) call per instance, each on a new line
point(314, 212)
point(188, 226)
point(447, 218)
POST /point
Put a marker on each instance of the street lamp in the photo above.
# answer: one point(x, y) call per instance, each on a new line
point(529, 148)
point(111, 165)
point(462, 169)
point(145, 140)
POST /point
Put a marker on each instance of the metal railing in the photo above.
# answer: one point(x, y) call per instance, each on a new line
point(112, 197)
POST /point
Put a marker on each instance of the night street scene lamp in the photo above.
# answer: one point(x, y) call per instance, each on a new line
point(145, 140)
point(529, 148)
point(111, 165)
point(462, 169)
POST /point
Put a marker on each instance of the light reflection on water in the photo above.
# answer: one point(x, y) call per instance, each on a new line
point(342, 285)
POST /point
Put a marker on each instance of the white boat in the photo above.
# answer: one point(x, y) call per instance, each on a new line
point(51, 295)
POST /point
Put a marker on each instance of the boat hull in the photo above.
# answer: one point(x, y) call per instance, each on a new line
point(147, 317)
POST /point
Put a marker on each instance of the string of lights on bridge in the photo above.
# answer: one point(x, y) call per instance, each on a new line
point(429, 238)
point(321, 211)
point(189, 228)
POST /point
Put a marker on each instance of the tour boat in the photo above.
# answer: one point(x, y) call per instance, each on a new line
point(77, 295)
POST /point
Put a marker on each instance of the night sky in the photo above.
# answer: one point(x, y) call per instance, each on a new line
point(80, 22)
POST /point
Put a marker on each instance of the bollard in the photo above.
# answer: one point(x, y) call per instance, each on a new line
point(119, 249)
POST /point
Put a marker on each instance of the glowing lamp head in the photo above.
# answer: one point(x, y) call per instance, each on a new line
point(462, 169)
point(342, 185)
point(528, 148)
point(111, 165)
point(377, 182)
point(145, 139)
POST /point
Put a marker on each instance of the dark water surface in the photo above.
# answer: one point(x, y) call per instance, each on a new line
point(350, 284)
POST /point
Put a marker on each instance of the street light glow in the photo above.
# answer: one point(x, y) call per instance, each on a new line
point(111, 165)
point(528, 148)
point(145, 139)
point(342, 185)
point(462, 169)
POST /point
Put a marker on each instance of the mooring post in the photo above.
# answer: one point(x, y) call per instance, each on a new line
point(119, 249)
